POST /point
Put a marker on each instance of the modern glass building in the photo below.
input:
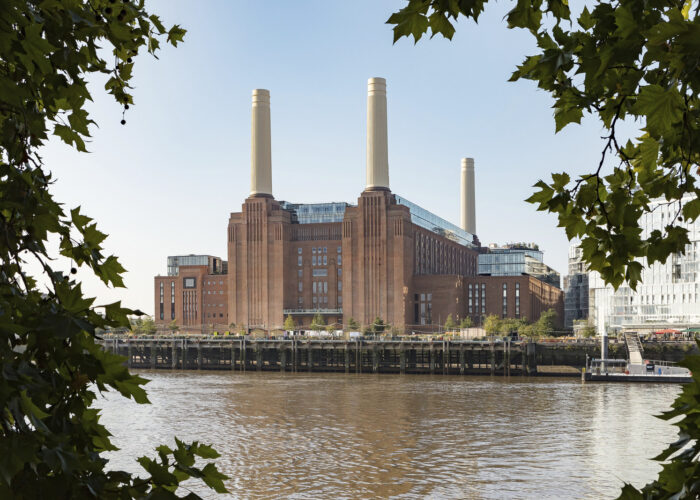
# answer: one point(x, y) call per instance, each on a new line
point(314, 213)
point(215, 264)
point(669, 294)
point(575, 288)
point(428, 220)
point(516, 260)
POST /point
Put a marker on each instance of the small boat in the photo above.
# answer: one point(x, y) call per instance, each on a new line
point(635, 368)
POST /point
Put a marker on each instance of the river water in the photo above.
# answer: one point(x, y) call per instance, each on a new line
point(390, 436)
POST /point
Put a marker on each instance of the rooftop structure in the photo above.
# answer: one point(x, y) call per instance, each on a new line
point(516, 259)
point(214, 264)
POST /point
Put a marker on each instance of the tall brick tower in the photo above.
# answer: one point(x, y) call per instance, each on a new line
point(377, 234)
point(258, 236)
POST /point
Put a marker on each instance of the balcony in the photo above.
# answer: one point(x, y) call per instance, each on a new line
point(311, 312)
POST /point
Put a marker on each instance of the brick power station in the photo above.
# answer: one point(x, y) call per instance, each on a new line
point(381, 257)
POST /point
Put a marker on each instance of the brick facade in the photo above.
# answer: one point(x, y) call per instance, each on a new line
point(374, 263)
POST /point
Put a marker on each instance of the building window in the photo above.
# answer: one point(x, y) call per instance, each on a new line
point(313, 250)
point(422, 309)
point(325, 249)
point(313, 260)
point(189, 283)
point(505, 300)
point(325, 260)
point(325, 287)
point(300, 300)
point(299, 273)
point(320, 272)
point(299, 251)
point(299, 260)
point(340, 286)
point(340, 260)
point(340, 300)
point(325, 300)
point(172, 300)
point(340, 249)
point(314, 299)
point(301, 286)
point(517, 300)
point(314, 287)
point(162, 307)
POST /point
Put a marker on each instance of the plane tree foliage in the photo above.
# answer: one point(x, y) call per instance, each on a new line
point(51, 439)
point(618, 60)
point(631, 61)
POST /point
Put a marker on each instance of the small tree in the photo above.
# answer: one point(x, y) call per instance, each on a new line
point(317, 323)
point(378, 326)
point(289, 323)
point(492, 324)
point(466, 323)
point(136, 326)
point(330, 328)
point(545, 324)
point(148, 326)
point(353, 325)
point(450, 323)
point(173, 326)
point(232, 326)
point(588, 332)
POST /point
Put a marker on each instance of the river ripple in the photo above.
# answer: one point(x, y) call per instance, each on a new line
point(385, 436)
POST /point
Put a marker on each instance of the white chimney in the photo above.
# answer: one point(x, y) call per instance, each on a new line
point(260, 153)
point(468, 205)
point(377, 145)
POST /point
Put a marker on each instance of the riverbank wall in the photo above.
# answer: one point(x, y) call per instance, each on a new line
point(453, 357)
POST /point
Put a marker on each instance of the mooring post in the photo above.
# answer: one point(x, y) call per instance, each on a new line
point(462, 360)
point(173, 354)
point(445, 357)
point(154, 353)
point(432, 359)
point(347, 357)
point(243, 348)
point(258, 357)
point(128, 353)
point(402, 359)
point(283, 357)
point(358, 357)
point(233, 355)
point(375, 358)
point(506, 359)
point(199, 355)
point(492, 357)
point(294, 355)
point(309, 354)
point(531, 358)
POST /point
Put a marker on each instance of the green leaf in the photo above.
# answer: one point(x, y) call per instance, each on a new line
point(663, 108)
point(564, 116)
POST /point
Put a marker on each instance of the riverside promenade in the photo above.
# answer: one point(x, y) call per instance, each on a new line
point(448, 357)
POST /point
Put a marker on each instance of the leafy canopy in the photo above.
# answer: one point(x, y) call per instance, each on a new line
point(622, 60)
point(51, 440)
point(626, 60)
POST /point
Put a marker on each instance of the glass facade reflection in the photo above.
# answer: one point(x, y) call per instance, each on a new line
point(669, 293)
point(515, 262)
point(315, 213)
point(215, 265)
point(438, 225)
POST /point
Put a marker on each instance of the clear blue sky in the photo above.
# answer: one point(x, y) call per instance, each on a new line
point(165, 183)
